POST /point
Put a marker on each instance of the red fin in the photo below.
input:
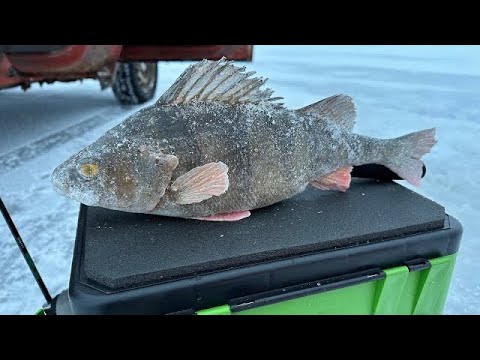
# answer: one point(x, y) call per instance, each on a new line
point(337, 180)
point(235, 216)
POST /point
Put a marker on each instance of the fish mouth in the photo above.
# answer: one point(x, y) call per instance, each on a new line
point(58, 185)
point(54, 179)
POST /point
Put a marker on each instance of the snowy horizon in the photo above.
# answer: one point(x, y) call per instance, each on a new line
point(396, 90)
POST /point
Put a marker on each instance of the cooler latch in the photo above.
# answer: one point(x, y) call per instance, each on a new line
point(417, 264)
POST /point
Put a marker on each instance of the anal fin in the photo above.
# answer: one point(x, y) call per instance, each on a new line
point(337, 180)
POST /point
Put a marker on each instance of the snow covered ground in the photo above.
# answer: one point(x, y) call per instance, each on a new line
point(397, 89)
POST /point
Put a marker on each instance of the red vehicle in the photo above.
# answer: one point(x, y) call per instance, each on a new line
point(131, 70)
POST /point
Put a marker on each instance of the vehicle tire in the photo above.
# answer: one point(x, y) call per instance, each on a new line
point(135, 82)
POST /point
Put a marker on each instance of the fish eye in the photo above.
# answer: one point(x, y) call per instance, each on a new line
point(88, 169)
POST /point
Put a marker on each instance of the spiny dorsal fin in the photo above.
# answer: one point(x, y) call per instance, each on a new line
point(217, 81)
point(337, 108)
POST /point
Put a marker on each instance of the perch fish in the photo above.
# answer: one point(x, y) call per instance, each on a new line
point(215, 146)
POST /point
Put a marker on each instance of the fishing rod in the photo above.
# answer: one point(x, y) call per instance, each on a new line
point(24, 251)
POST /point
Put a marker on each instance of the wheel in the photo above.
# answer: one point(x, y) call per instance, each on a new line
point(135, 82)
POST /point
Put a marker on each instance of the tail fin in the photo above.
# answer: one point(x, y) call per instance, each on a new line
point(407, 151)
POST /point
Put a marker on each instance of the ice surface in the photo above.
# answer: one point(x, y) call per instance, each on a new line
point(396, 89)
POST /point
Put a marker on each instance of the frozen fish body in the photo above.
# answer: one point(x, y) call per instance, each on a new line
point(215, 146)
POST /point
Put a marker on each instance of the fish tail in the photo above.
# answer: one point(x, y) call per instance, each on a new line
point(405, 152)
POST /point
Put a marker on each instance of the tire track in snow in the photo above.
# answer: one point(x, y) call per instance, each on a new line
point(17, 157)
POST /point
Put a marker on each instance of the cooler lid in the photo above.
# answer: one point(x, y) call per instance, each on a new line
point(116, 251)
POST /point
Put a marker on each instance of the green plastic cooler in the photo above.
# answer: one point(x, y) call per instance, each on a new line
point(379, 248)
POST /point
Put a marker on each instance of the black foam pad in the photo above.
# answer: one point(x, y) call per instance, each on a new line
point(122, 250)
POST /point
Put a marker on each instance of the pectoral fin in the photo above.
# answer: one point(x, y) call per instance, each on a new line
point(201, 183)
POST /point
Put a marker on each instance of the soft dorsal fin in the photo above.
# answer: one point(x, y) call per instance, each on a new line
point(217, 81)
point(337, 108)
